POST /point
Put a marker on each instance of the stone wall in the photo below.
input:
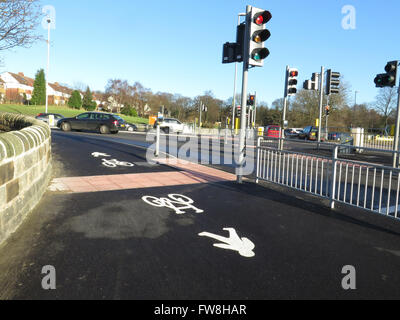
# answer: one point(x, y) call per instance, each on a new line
point(25, 168)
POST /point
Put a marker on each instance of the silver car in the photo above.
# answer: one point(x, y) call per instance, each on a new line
point(45, 117)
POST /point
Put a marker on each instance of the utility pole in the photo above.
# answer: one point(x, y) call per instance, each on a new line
point(355, 99)
point(321, 102)
point(48, 63)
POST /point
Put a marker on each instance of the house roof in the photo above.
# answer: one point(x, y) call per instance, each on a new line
point(59, 88)
point(22, 79)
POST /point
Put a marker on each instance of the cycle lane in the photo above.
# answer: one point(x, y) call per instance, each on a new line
point(115, 245)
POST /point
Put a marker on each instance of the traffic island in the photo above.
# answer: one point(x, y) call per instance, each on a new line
point(25, 168)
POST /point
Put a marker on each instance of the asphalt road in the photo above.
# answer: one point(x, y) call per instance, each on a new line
point(114, 245)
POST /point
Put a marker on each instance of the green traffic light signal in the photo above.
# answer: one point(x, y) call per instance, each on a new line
point(389, 78)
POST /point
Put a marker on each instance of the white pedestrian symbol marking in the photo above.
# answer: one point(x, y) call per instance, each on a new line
point(177, 202)
point(243, 245)
point(99, 154)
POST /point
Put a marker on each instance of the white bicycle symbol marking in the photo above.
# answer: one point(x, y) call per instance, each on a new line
point(115, 163)
point(176, 202)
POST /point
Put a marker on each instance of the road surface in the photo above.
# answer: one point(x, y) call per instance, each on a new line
point(118, 233)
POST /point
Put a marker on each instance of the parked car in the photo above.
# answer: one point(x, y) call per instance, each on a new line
point(45, 117)
point(93, 121)
point(291, 133)
point(309, 133)
point(272, 131)
point(170, 125)
point(131, 127)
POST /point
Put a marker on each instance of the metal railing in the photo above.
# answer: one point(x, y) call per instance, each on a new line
point(363, 185)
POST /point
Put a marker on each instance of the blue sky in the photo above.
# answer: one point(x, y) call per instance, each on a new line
point(176, 45)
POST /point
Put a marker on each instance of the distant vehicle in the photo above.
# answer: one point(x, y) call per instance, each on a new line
point(131, 127)
point(104, 123)
point(291, 133)
point(309, 133)
point(272, 131)
point(45, 117)
point(298, 130)
point(337, 136)
point(170, 125)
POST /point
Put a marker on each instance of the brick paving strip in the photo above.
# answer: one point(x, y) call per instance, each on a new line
point(190, 174)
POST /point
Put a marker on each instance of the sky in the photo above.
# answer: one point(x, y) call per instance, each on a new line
point(175, 46)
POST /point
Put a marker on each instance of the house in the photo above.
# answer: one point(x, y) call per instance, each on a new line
point(2, 91)
point(16, 86)
point(58, 94)
point(113, 105)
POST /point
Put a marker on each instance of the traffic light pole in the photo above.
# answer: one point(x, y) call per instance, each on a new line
point(255, 111)
point(284, 109)
point(396, 137)
point(321, 103)
point(201, 109)
point(242, 134)
point(234, 98)
point(327, 121)
point(235, 81)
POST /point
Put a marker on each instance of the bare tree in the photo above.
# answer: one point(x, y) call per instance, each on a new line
point(386, 102)
point(18, 20)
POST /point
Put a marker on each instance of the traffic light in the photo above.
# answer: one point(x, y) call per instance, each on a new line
point(312, 84)
point(389, 78)
point(327, 110)
point(258, 34)
point(233, 51)
point(251, 100)
point(291, 82)
point(239, 111)
point(229, 52)
point(240, 36)
point(307, 85)
point(332, 82)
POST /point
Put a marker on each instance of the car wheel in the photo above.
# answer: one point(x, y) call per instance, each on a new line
point(166, 130)
point(130, 129)
point(104, 129)
point(65, 126)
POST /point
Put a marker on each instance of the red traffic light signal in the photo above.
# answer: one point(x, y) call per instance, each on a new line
point(251, 101)
point(257, 35)
point(291, 82)
point(327, 110)
point(262, 18)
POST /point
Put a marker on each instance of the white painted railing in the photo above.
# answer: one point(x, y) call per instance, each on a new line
point(363, 185)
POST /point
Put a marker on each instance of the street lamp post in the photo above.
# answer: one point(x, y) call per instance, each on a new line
point(48, 62)
point(355, 99)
